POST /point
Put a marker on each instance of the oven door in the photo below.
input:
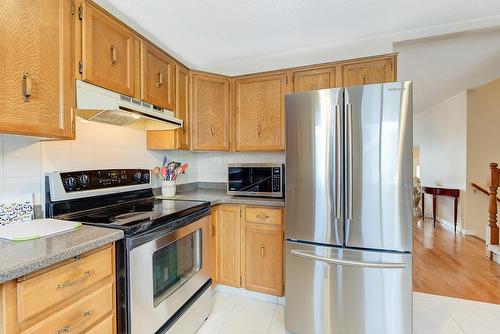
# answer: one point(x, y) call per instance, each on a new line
point(165, 273)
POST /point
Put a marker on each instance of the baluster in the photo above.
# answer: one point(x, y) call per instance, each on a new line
point(492, 210)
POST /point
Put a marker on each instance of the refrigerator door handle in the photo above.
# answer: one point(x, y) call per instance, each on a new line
point(349, 160)
point(338, 162)
point(352, 263)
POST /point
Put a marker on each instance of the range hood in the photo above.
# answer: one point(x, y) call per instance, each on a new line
point(97, 104)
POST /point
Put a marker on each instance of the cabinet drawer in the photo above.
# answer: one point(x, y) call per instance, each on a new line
point(263, 215)
point(80, 315)
point(38, 293)
point(104, 327)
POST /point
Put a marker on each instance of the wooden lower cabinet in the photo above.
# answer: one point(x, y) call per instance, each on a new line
point(77, 295)
point(228, 245)
point(264, 258)
point(248, 248)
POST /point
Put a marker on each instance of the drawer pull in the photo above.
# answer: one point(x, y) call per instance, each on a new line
point(69, 328)
point(26, 86)
point(263, 216)
point(65, 284)
point(259, 129)
point(113, 55)
point(212, 129)
point(262, 251)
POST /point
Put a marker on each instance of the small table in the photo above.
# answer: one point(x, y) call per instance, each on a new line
point(435, 191)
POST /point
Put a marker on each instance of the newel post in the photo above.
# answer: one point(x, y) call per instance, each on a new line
point(492, 210)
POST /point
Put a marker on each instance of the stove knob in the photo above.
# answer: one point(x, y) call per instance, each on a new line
point(145, 177)
point(83, 180)
point(137, 177)
point(69, 182)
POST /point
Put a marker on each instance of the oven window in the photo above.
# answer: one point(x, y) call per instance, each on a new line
point(256, 179)
point(174, 264)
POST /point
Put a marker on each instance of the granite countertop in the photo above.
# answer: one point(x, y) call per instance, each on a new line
point(24, 257)
point(220, 196)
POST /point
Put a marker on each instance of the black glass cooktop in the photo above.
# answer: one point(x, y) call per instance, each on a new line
point(138, 216)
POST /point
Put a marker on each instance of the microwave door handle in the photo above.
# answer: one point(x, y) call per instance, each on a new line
point(351, 263)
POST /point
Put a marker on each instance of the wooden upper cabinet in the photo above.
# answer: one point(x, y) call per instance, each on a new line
point(259, 112)
point(157, 77)
point(182, 106)
point(369, 72)
point(36, 68)
point(264, 259)
point(210, 112)
point(313, 79)
point(228, 245)
point(108, 51)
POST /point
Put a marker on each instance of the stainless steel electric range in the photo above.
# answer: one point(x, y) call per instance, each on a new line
point(163, 277)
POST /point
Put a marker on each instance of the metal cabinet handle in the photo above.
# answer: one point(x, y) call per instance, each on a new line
point(114, 58)
point(212, 129)
point(352, 263)
point(69, 328)
point(66, 284)
point(213, 230)
point(263, 216)
point(27, 85)
point(160, 79)
point(262, 251)
point(259, 129)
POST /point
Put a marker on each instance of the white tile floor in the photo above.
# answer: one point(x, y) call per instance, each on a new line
point(233, 314)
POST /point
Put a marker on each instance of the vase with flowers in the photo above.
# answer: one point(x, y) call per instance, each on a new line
point(168, 174)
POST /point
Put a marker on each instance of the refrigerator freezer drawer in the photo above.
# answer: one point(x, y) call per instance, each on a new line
point(343, 291)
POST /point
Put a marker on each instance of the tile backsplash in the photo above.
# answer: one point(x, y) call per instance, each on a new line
point(25, 160)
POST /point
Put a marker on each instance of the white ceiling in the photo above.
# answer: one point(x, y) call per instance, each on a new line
point(207, 33)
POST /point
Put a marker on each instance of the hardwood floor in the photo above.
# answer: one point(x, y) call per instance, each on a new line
point(453, 265)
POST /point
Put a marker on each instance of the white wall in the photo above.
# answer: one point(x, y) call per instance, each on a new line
point(24, 160)
point(440, 134)
point(483, 147)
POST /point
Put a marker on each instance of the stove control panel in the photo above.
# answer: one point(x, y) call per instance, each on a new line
point(104, 178)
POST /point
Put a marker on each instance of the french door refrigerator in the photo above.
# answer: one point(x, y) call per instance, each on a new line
point(348, 210)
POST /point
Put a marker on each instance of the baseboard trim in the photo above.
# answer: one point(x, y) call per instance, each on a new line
point(250, 294)
point(451, 226)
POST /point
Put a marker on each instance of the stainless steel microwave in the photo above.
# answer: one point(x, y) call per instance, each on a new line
point(255, 179)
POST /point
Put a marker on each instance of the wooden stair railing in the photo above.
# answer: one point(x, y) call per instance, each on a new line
point(481, 189)
point(493, 183)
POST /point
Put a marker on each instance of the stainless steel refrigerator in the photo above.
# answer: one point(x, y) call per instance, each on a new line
point(348, 210)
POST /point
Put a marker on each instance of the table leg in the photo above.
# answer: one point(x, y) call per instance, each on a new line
point(423, 206)
point(434, 209)
point(455, 210)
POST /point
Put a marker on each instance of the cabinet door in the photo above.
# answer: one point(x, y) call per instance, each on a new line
point(314, 79)
point(368, 72)
point(177, 139)
point(157, 77)
point(36, 68)
point(260, 112)
point(264, 259)
point(213, 245)
point(108, 55)
point(182, 106)
point(210, 113)
point(228, 245)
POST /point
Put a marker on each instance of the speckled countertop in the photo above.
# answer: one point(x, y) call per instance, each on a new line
point(24, 257)
point(220, 196)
